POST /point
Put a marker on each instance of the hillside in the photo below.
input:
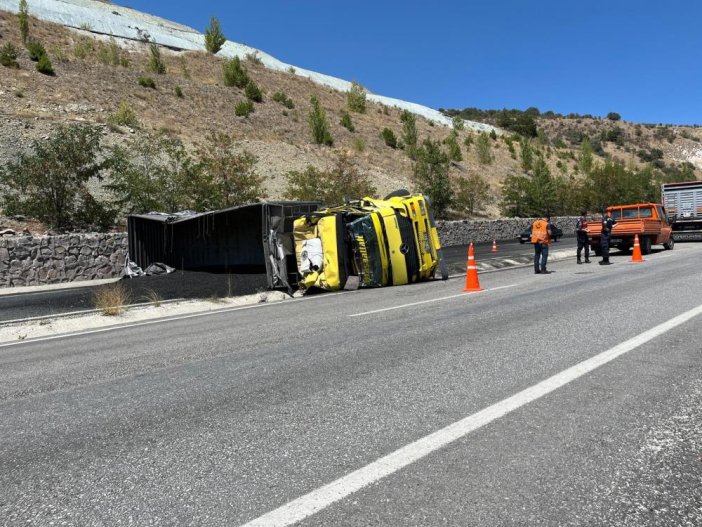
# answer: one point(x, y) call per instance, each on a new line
point(88, 88)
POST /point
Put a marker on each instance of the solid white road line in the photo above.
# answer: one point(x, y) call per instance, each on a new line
point(313, 502)
point(429, 301)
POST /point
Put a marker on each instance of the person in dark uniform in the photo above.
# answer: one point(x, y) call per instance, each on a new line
point(607, 225)
point(581, 233)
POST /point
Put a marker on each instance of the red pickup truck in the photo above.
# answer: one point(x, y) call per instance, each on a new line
point(648, 220)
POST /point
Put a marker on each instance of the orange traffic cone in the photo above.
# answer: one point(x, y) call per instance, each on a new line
point(494, 246)
point(472, 282)
point(636, 255)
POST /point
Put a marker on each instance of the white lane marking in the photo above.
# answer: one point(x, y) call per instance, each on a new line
point(429, 301)
point(313, 502)
point(163, 320)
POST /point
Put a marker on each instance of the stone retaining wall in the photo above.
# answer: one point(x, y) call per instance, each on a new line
point(35, 260)
point(463, 231)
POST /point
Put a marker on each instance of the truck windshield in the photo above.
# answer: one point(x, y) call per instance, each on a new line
point(645, 212)
point(630, 214)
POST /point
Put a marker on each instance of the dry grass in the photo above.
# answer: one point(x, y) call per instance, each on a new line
point(111, 299)
point(153, 298)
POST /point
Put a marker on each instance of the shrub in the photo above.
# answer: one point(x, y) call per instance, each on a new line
point(124, 116)
point(147, 82)
point(356, 98)
point(431, 176)
point(154, 172)
point(283, 99)
point(458, 123)
point(409, 132)
point(319, 126)
point(389, 137)
point(23, 19)
point(253, 92)
point(454, 150)
point(233, 176)
point(36, 50)
point(254, 58)
point(179, 92)
point(359, 144)
point(613, 116)
point(214, 38)
point(49, 182)
point(111, 299)
point(60, 56)
point(493, 135)
point(483, 149)
point(111, 54)
point(156, 64)
point(84, 48)
point(44, 65)
point(346, 122)
point(473, 194)
point(331, 187)
point(243, 108)
point(235, 73)
point(8, 56)
point(184, 71)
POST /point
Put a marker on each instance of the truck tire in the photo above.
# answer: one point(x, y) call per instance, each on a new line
point(670, 244)
point(645, 243)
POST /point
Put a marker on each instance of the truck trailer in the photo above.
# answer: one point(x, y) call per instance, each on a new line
point(683, 202)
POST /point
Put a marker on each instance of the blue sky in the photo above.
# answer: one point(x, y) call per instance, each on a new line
point(641, 58)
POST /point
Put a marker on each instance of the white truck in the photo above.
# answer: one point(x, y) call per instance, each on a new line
point(683, 203)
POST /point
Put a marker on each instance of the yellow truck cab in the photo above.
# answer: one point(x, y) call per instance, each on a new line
point(368, 243)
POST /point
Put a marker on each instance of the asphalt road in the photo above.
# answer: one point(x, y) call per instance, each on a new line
point(194, 285)
point(221, 419)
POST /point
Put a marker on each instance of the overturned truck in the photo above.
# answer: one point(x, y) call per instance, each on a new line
point(363, 243)
point(369, 243)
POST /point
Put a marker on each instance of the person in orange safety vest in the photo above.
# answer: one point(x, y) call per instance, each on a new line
point(541, 238)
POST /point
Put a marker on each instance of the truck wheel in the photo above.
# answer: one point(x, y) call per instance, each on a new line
point(669, 246)
point(645, 243)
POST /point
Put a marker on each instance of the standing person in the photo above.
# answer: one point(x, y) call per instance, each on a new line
point(581, 232)
point(607, 224)
point(541, 237)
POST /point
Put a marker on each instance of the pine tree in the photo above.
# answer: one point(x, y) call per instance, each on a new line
point(214, 38)
point(356, 98)
point(319, 125)
point(431, 176)
point(23, 17)
point(409, 132)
